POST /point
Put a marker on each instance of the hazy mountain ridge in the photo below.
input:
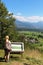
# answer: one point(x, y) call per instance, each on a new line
point(28, 25)
point(38, 25)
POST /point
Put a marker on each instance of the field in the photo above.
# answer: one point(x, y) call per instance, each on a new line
point(33, 54)
point(33, 39)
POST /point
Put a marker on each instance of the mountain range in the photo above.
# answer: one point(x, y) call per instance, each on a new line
point(28, 25)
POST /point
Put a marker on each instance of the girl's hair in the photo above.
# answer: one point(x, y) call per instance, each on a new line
point(7, 37)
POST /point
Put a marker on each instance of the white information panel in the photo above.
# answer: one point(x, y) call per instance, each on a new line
point(17, 46)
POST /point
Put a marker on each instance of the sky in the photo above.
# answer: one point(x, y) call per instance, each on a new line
point(25, 10)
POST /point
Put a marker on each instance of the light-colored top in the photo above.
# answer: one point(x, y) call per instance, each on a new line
point(8, 41)
point(8, 44)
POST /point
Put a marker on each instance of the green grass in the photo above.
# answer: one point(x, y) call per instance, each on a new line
point(33, 54)
point(34, 61)
point(28, 58)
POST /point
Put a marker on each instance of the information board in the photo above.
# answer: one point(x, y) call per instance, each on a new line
point(17, 46)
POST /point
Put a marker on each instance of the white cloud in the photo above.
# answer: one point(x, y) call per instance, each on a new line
point(9, 12)
point(20, 18)
point(34, 18)
point(28, 19)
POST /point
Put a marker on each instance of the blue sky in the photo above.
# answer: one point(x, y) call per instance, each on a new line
point(26, 10)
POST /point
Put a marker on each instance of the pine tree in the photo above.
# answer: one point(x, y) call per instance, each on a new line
point(7, 23)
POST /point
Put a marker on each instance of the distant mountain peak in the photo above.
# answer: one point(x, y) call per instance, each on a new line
point(28, 25)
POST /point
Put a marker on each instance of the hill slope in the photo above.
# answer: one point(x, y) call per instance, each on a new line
point(28, 25)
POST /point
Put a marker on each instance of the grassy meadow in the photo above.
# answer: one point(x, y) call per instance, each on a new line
point(33, 53)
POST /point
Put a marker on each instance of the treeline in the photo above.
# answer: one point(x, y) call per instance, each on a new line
point(25, 29)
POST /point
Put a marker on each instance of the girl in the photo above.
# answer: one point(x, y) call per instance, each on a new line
point(7, 48)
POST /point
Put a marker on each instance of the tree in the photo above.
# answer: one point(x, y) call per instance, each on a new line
point(7, 23)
